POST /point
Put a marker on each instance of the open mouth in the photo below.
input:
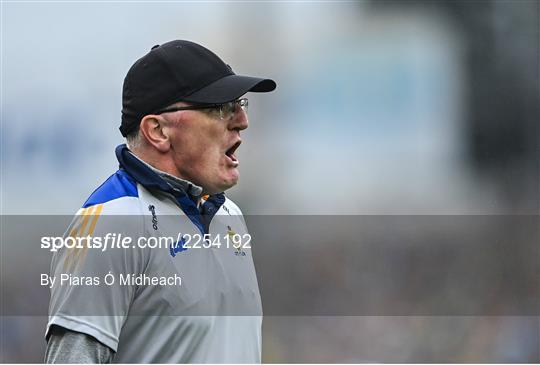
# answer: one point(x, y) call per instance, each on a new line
point(230, 152)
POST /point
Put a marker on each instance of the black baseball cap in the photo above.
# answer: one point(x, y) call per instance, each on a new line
point(181, 71)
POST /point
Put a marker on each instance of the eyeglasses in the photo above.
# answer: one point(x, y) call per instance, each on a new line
point(223, 111)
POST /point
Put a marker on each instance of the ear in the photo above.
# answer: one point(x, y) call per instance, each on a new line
point(152, 127)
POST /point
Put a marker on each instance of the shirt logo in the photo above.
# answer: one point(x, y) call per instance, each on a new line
point(178, 247)
point(152, 209)
point(237, 246)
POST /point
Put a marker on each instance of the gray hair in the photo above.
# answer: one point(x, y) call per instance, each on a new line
point(134, 140)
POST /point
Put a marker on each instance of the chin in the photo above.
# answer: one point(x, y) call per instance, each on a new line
point(221, 186)
point(229, 185)
point(229, 182)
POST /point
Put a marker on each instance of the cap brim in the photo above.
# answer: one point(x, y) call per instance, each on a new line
point(230, 88)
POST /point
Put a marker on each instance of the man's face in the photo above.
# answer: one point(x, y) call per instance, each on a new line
point(204, 147)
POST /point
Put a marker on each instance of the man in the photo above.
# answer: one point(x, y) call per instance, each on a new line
point(182, 116)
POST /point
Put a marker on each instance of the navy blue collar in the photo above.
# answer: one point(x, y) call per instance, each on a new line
point(139, 172)
point(152, 181)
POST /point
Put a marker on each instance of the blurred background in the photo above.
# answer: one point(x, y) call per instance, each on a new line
point(416, 108)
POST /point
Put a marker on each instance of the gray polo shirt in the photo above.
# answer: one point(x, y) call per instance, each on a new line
point(213, 316)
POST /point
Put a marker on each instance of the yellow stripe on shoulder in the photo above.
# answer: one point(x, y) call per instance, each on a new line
point(96, 213)
point(91, 214)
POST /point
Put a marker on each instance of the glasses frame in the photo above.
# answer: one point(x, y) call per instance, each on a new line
point(243, 103)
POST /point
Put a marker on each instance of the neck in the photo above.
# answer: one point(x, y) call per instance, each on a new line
point(175, 181)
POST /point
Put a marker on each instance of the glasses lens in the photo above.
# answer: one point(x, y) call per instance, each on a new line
point(214, 112)
point(243, 104)
point(227, 110)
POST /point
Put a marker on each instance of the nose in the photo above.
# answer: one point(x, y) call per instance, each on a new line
point(240, 120)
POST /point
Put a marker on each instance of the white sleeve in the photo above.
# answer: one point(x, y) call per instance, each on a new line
point(91, 306)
